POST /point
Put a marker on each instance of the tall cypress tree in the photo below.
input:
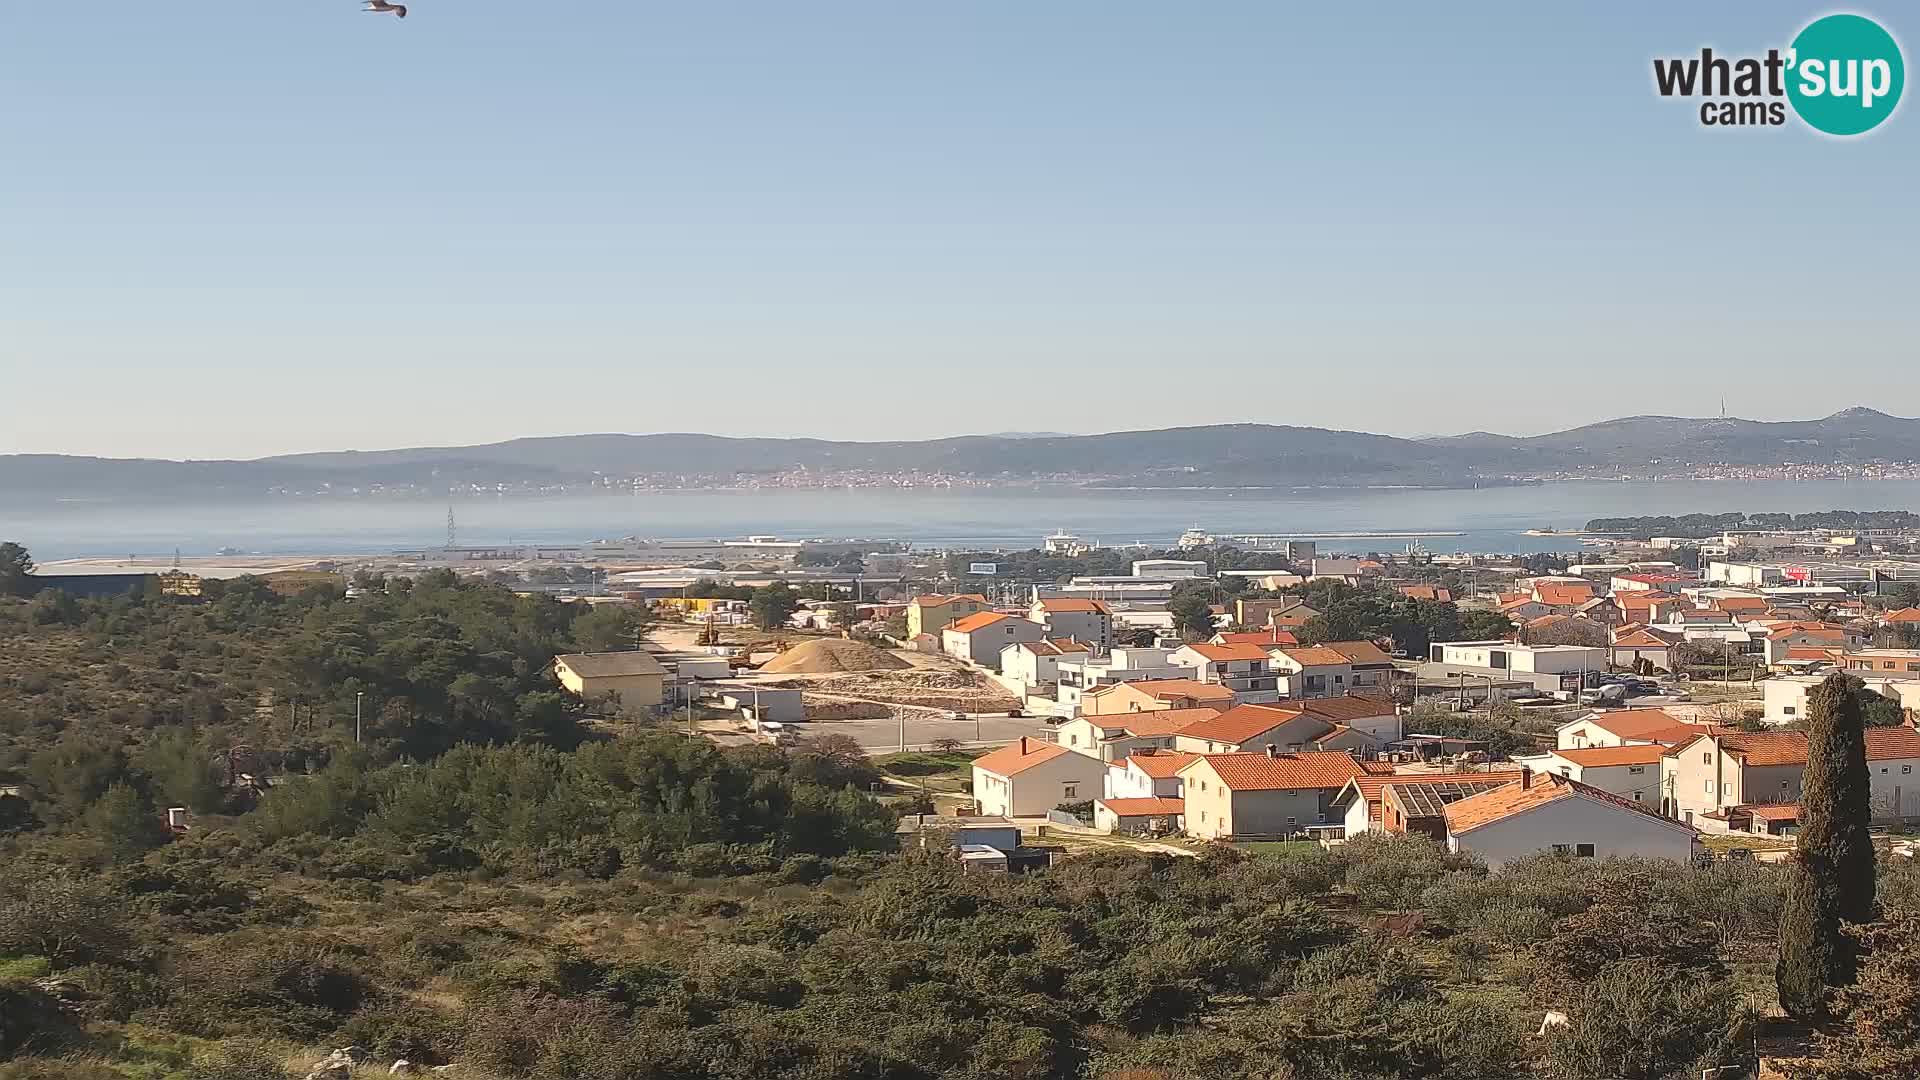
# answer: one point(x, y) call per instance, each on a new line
point(1830, 878)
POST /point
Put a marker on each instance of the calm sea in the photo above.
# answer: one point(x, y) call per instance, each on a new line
point(1492, 519)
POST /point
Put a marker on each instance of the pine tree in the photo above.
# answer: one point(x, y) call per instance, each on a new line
point(1830, 878)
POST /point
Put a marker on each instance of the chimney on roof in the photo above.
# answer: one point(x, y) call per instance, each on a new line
point(1526, 777)
point(1272, 751)
point(1023, 746)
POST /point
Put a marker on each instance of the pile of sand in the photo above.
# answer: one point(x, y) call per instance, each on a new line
point(828, 655)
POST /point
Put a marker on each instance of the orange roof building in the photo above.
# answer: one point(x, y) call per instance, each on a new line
point(1546, 813)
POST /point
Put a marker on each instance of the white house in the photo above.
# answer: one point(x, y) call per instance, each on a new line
point(1029, 777)
point(1146, 774)
point(1079, 676)
point(1555, 814)
point(1087, 621)
point(1786, 695)
point(1622, 727)
point(1632, 771)
point(1036, 664)
point(1112, 736)
point(1311, 671)
point(1527, 659)
point(1243, 669)
point(1720, 770)
point(982, 636)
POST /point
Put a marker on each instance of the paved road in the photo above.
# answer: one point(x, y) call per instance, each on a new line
point(883, 734)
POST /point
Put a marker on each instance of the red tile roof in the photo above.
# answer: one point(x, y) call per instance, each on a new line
point(938, 600)
point(1562, 594)
point(1501, 803)
point(1600, 756)
point(1154, 807)
point(1062, 605)
point(1641, 638)
point(1159, 764)
point(1224, 653)
point(1315, 656)
point(1272, 636)
point(1426, 592)
point(1370, 786)
point(1359, 652)
point(1741, 603)
point(1170, 689)
point(1157, 721)
point(1018, 756)
point(1903, 615)
point(979, 620)
point(1771, 811)
point(1761, 748)
point(1240, 723)
point(1631, 723)
point(1310, 769)
point(1344, 709)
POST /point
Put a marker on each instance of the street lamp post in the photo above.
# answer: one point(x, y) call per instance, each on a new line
point(359, 699)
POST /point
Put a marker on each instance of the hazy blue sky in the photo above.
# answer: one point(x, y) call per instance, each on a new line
point(235, 228)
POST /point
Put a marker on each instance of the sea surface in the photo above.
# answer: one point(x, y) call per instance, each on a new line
point(1491, 519)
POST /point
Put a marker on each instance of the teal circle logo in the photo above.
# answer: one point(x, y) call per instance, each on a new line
point(1845, 74)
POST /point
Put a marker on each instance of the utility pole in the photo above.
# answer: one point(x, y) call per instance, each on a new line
point(902, 714)
point(359, 699)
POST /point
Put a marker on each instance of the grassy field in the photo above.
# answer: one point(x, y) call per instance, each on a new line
point(940, 772)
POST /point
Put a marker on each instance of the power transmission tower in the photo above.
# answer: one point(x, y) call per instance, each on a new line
point(451, 534)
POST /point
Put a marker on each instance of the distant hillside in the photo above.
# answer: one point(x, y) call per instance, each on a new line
point(1251, 455)
point(1850, 436)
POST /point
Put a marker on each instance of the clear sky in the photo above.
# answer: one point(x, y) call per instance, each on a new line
point(234, 228)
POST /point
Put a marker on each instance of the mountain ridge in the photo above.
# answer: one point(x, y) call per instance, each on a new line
point(1244, 454)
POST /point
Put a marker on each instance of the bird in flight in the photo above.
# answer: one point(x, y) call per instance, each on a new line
point(382, 7)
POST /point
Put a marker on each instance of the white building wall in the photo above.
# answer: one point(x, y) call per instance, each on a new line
point(1034, 791)
point(1574, 821)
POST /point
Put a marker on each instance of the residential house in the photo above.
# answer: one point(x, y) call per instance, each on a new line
point(1631, 771)
point(1145, 816)
point(635, 679)
point(1765, 819)
point(1623, 727)
point(1742, 606)
point(931, 614)
point(1524, 608)
point(1362, 805)
point(1372, 668)
point(1036, 664)
point(1561, 596)
point(980, 638)
point(1514, 659)
point(1029, 777)
point(1311, 671)
point(1271, 636)
point(1147, 774)
point(1603, 610)
point(1150, 694)
point(1114, 736)
point(1717, 771)
point(1287, 726)
point(1783, 638)
point(1562, 630)
point(1079, 676)
point(1089, 621)
point(1439, 594)
point(1645, 607)
point(1643, 648)
point(1665, 583)
point(1268, 794)
point(1884, 663)
point(1547, 813)
point(1785, 696)
point(1243, 669)
point(1906, 616)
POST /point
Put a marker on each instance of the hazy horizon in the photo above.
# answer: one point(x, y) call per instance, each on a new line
point(929, 438)
point(236, 230)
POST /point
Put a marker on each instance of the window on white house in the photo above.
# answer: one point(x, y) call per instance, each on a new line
point(1706, 758)
point(1584, 851)
point(1726, 789)
point(1563, 849)
point(1709, 787)
point(1636, 796)
point(1636, 770)
point(1071, 791)
point(1787, 710)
